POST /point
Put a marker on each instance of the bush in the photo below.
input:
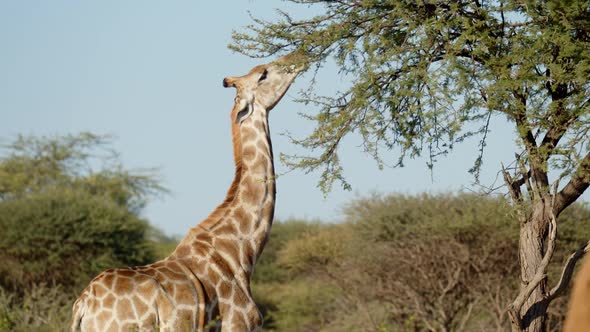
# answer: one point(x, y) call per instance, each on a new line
point(64, 237)
point(410, 263)
point(414, 263)
point(400, 217)
point(327, 246)
point(40, 308)
point(267, 268)
point(304, 304)
point(68, 209)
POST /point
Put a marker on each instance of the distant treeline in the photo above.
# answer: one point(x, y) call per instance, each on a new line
point(404, 263)
point(443, 262)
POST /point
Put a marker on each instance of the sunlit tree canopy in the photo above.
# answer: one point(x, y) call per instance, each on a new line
point(428, 74)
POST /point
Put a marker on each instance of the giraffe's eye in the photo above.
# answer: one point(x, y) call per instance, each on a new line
point(263, 76)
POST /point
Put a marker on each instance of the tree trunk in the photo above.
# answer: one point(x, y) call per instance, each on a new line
point(533, 234)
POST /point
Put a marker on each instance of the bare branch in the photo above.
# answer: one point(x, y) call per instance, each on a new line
point(466, 317)
point(515, 193)
point(513, 189)
point(554, 135)
point(575, 188)
point(567, 272)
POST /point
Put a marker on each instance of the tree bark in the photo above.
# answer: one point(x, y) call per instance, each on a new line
point(533, 234)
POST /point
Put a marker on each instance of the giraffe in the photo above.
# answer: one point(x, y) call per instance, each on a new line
point(578, 314)
point(204, 285)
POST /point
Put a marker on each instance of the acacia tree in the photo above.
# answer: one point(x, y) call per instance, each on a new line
point(426, 75)
point(68, 201)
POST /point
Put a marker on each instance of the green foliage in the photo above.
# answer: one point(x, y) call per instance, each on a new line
point(395, 217)
point(425, 75)
point(84, 161)
point(162, 244)
point(282, 232)
point(271, 281)
point(302, 305)
point(326, 246)
point(68, 209)
point(398, 263)
point(65, 236)
point(404, 263)
point(573, 230)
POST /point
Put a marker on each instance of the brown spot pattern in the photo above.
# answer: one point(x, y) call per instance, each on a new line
point(224, 290)
point(136, 291)
point(248, 153)
point(183, 250)
point(213, 276)
point(140, 307)
point(109, 301)
point(251, 191)
point(107, 280)
point(126, 273)
point(221, 264)
point(227, 246)
point(240, 299)
point(123, 285)
point(247, 135)
point(123, 309)
point(99, 290)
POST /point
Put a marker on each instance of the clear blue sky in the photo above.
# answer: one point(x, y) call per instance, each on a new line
point(150, 72)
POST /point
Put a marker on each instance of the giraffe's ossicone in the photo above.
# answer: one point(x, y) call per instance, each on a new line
point(204, 285)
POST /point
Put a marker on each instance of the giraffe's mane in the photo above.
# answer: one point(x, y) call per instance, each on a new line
point(237, 145)
point(220, 210)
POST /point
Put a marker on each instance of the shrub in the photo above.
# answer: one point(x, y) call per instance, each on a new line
point(282, 232)
point(40, 308)
point(65, 236)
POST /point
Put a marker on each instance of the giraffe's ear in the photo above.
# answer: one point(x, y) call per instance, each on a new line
point(244, 113)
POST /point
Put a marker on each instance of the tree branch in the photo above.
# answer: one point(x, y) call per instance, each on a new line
point(538, 173)
point(555, 133)
point(515, 193)
point(513, 186)
point(567, 272)
point(467, 316)
point(575, 187)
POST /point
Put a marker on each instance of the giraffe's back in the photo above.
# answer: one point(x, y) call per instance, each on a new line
point(159, 296)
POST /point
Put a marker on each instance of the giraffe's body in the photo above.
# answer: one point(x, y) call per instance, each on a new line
point(578, 314)
point(140, 299)
point(205, 283)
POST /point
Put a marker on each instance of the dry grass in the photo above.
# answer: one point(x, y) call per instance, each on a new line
point(41, 308)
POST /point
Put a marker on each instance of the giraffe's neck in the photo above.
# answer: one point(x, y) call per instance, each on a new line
point(252, 207)
point(238, 228)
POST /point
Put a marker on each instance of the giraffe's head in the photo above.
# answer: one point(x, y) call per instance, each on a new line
point(264, 85)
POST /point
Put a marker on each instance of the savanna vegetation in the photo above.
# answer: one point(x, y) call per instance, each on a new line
point(68, 210)
point(395, 263)
point(404, 263)
point(426, 75)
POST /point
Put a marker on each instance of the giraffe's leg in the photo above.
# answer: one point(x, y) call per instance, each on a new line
point(198, 288)
point(240, 313)
point(77, 313)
